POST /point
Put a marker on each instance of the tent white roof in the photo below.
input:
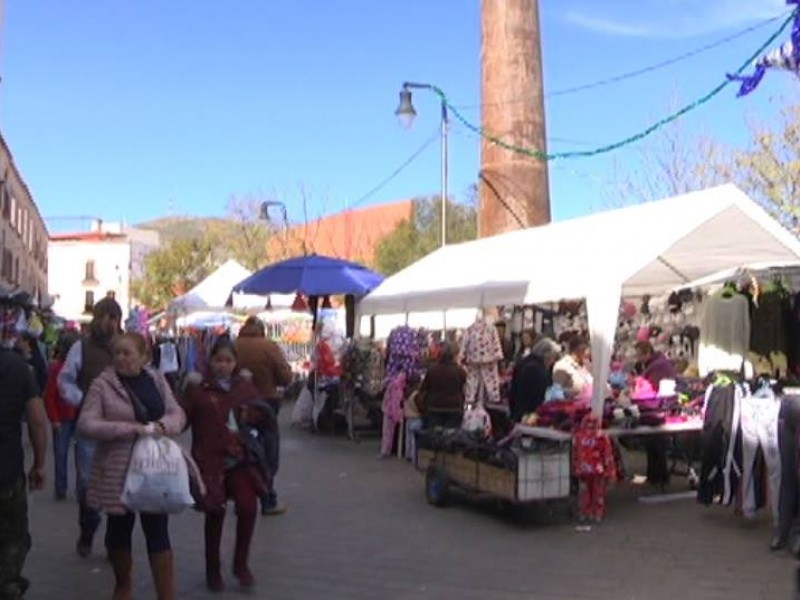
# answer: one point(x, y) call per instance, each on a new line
point(215, 290)
point(643, 249)
point(646, 249)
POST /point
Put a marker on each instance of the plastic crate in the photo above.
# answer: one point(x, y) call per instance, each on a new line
point(543, 475)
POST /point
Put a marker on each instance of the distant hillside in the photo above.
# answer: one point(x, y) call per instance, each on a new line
point(173, 228)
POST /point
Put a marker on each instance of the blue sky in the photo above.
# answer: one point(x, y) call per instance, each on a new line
point(123, 109)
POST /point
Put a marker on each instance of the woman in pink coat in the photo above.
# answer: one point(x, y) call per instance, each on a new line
point(117, 403)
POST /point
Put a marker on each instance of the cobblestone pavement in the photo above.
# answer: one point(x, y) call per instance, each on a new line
point(359, 528)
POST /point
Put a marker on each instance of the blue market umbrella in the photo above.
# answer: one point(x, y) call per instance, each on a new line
point(312, 275)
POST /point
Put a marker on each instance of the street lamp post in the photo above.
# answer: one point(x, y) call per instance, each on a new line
point(265, 216)
point(406, 112)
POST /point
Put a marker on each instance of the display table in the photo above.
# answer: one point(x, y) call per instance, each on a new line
point(690, 426)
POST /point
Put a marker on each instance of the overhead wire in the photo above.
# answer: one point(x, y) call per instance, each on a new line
point(638, 72)
point(394, 174)
point(631, 139)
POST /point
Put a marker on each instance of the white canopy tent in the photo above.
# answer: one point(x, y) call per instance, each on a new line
point(644, 249)
point(214, 291)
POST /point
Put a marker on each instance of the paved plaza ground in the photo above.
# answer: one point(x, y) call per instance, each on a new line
point(360, 528)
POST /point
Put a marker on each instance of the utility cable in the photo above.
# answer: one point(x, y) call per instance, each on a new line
point(637, 72)
point(539, 154)
point(406, 163)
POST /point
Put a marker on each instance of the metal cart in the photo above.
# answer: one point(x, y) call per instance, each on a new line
point(541, 474)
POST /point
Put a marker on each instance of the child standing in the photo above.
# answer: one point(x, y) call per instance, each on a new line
point(593, 465)
point(413, 420)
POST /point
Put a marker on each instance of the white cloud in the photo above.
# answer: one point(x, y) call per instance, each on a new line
point(676, 18)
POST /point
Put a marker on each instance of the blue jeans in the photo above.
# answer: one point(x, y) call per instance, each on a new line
point(88, 518)
point(62, 439)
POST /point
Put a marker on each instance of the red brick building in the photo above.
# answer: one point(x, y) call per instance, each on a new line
point(351, 234)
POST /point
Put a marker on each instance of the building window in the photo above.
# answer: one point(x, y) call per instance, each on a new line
point(6, 203)
point(89, 301)
point(89, 271)
point(111, 294)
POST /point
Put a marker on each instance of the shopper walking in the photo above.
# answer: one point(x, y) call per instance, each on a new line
point(223, 412)
point(62, 415)
point(85, 361)
point(265, 360)
point(19, 398)
point(110, 417)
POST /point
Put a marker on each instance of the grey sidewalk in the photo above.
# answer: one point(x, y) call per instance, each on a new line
point(359, 528)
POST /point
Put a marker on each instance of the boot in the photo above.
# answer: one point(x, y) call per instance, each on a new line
point(122, 563)
point(163, 568)
point(245, 525)
point(213, 534)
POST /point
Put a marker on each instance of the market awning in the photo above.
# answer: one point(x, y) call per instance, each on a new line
point(646, 249)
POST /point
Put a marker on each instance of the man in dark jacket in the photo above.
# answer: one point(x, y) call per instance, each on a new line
point(532, 376)
point(86, 359)
point(19, 397)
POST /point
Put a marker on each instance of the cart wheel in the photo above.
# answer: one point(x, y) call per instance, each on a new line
point(436, 486)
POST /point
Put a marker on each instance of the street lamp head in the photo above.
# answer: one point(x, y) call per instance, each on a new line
point(405, 110)
point(264, 212)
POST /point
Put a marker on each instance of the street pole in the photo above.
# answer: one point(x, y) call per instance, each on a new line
point(406, 112)
point(444, 172)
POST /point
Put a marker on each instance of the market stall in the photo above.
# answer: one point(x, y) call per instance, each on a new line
point(650, 248)
point(637, 252)
point(317, 278)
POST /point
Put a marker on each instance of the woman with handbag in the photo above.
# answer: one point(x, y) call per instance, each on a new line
point(118, 404)
point(223, 412)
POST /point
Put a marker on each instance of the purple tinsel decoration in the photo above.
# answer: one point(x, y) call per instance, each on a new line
point(786, 57)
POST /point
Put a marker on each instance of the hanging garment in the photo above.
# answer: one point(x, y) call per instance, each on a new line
point(482, 351)
point(759, 425)
point(724, 334)
point(769, 324)
point(402, 352)
point(485, 377)
point(720, 471)
point(168, 358)
point(481, 344)
point(793, 334)
point(392, 412)
point(789, 502)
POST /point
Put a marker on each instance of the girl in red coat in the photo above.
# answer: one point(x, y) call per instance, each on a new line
point(221, 412)
point(593, 465)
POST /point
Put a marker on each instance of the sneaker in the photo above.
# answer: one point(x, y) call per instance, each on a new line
point(275, 509)
point(61, 496)
point(84, 546)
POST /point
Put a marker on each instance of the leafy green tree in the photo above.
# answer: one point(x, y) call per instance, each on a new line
point(420, 235)
point(174, 269)
point(769, 167)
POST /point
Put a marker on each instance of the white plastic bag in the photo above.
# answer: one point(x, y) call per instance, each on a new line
point(158, 477)
point(302, 414)
point(477, 420)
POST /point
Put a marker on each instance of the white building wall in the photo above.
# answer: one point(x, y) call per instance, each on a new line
point(67, 275)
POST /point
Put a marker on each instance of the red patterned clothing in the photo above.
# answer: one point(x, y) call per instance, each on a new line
point(593, 465)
